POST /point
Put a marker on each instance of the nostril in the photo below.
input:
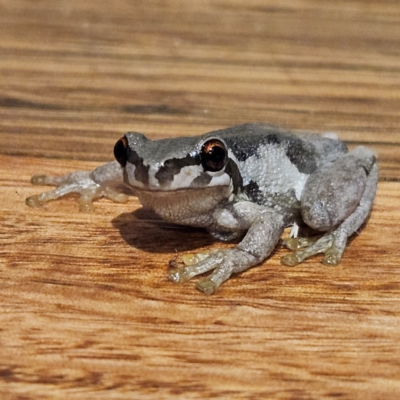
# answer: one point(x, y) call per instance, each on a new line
point(121, 151)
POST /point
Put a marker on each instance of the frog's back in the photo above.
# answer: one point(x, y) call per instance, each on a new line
point(307, 151)
point(275, 163)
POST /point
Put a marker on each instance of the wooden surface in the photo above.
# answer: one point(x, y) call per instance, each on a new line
point(86, 310)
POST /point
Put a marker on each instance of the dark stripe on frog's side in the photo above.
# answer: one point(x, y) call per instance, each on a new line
point(287, 201)
point(233, 171)
point(173, 166)
point(253, 192)
point(302, 155)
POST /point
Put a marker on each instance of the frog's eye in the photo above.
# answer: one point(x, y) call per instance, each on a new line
point(213, 155)
point(121, 151)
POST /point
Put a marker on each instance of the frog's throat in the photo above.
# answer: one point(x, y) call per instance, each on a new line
point(185, 206)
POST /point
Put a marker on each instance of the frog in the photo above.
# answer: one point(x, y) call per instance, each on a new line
point(245, 183)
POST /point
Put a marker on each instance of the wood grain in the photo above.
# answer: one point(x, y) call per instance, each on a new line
point(86, 309)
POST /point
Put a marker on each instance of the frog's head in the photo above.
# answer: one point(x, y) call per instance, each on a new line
point(197, 171)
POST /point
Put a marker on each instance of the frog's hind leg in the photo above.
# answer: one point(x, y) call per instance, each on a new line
point(337, 199)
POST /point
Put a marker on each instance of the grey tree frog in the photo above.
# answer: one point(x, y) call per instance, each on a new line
point(248, 181)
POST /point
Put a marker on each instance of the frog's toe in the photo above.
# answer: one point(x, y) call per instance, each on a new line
point(191, 266)
point(79, 183)
point(290, 260)
point(37, 200)
point(40, 180)
point(299, 242)
point(115, 195)
point(191, 259)
point(223, 263)
point(332, 256)
point(178, 275)
point(206, 286)
point(212, 282)
point(86, 202)
point(291, 243)
point(327, 244)
point(184, 274)
point(34, 201)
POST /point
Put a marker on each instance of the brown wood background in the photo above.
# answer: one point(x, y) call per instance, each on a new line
point(86, 310)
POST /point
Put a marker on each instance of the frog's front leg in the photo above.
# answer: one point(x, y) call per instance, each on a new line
point(264, 228)
point(336, 199)
point(104, 181)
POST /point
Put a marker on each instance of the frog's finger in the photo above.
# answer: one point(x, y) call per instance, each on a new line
point(38, 200)
point(46, 180)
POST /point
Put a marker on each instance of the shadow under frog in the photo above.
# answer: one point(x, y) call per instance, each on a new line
point(145, 230)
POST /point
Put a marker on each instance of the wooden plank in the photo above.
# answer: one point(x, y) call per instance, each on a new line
point(86, 310)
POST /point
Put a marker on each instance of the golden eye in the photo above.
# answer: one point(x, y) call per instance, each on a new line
point(121, 151)
point(213, 155)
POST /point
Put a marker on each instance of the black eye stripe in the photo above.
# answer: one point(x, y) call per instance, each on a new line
point(174, 166)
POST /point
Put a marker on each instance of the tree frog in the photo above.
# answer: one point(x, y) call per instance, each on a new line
point(249, 181)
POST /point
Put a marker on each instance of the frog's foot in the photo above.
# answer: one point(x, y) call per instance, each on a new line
point(330, 244)
point(79, 182)
point(223, 262)
point(299, 242)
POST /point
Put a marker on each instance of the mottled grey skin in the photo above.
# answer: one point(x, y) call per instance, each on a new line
point(271, 178)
